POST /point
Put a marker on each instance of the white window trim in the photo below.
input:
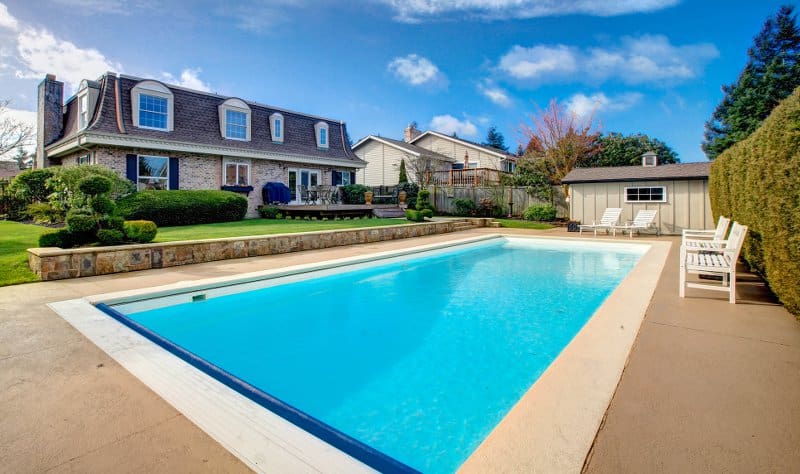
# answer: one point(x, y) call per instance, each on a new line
point(227, 162)
point(663, 193)
point(277, 138)
point(83, 108)
point(86, 158)
point(234, 105)
point(155, 89)
point(322, 126)
point(138, 157)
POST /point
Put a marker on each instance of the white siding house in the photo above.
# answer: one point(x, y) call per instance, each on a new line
point(384, 155)
point(462, 151)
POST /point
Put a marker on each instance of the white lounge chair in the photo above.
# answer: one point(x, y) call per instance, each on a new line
point(608, 220)
point(713, 261)
point(707, 238)
point(644, 220)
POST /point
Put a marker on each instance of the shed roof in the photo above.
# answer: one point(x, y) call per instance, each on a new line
point(638, 173)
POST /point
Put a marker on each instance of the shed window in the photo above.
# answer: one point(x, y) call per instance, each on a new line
point(646, 194)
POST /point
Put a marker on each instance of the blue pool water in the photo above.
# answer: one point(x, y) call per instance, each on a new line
point(419, 359)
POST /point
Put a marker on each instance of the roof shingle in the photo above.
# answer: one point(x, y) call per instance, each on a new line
point(638, 173)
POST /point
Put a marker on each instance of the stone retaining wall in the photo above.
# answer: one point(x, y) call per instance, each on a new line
point(53, 263)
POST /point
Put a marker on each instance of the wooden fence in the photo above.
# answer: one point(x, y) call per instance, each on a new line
point(514, 199)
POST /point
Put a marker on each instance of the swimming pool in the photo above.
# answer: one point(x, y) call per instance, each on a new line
point(419, 357)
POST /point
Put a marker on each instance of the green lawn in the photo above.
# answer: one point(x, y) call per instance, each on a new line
point(520, 224)
point(15, 238)
point(262, 227)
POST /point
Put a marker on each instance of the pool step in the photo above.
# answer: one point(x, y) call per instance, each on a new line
point(464, 225)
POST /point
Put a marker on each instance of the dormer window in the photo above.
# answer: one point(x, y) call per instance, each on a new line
point(321, 129)
point(276, 127)
point(83, 109)
point(152, 106)
point(234, 120)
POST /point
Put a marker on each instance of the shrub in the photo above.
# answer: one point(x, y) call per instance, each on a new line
point(757, 183)
point(354, 193)
point(140, 231)
point(112, 222)
point(464, 207)
point(540, 212)
point(31, 185)
point(65, 184)
point(183, 207)
point(94, 185)
point(423, 200)
point(44, 213)
point(269, 212)
point(418, 216)
point(81, 221)
point(110, 237)
point(60, 238)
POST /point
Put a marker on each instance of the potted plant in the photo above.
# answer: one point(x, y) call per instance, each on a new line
point(368, 197)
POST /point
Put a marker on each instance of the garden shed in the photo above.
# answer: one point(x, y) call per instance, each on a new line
point(678, 191)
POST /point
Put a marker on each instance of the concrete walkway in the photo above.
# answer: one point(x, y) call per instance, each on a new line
point(709, 386)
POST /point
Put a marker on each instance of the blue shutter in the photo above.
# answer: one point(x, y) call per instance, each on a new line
point(337, 178)
point(130, 167)
point(173, 173)
point(352, 177)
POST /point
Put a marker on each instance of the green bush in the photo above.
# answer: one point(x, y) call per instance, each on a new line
point(60, 238)
point(81, 221)
point(540, 213)
point(94, 185)
point(354, 193)
point(464, 207)
point(183, 207)
point(140, 231)
point(423, 200)
point(11, 206)
point(65, 185)
point(411, 190)
point(43, 213)
point(110, 237)
point(269, 212)
point(31, 185)
point(418, 215)
point(757, 183)
point(112, 222)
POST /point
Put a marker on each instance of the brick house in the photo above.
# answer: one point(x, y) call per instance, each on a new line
point(168, 137)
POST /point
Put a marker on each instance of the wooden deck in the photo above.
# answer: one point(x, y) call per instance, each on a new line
point(330, 210)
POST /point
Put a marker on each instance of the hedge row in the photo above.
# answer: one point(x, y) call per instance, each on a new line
point(183, 207)
point(757, 182)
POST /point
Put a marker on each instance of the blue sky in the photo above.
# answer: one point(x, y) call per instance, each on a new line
point(650, 66)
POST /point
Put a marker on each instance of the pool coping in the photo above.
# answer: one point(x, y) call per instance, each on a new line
point(284, 445)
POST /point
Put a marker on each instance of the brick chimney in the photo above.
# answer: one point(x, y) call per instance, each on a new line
point(49, 117)
point(411, 132)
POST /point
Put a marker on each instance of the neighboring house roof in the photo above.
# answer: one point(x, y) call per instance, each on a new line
point(197, 128)
point(638, 173)
point(404, 147)
point(486, 149)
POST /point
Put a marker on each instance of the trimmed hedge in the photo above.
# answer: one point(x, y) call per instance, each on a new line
point(183, 207)
point(140, 231)
point(540, 213)
point(757, 183)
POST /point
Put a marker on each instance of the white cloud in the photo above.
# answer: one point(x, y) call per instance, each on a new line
point(416, 70)
point(636, 60)
point(538, 61)
point(6, 19)
point(190, 78)
point(496, 94)
point(448, 125)
point(584, 106)
point(40, 53)
point(414, 11)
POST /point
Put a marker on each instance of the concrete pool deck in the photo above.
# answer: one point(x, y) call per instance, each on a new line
point(709, 386)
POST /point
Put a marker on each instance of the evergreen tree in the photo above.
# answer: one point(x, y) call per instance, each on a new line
point(495, 139)
point(772, 72)
point(520, 149)
point(619, 150)
point(403, 175)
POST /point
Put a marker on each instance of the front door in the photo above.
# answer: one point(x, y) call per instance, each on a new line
point(299, 178)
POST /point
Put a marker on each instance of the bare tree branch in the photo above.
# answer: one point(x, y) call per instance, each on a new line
point(13, 133)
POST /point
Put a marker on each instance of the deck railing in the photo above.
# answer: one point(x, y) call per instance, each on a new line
point(467, 177)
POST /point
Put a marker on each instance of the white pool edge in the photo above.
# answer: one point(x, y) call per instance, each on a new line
point(257, 436)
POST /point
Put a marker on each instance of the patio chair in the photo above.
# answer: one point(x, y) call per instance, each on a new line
point(713, 261)
point(644, 220)
point(607, 221)
point(706, 238)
